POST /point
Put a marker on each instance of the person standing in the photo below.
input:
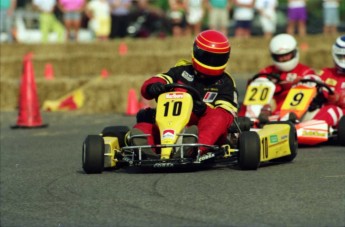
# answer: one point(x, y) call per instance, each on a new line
point(219, 15)
point(98, 12)
point(120, 10)
point(268, 16)
point(47, 19)
point(72, 16)
point(243, 15)
point(297, 17)
point(330, 16)
point(7, 8)
point(177, 17)
point(194, 16)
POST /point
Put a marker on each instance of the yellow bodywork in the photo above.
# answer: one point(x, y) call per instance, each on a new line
point(111, 147)
point(173, 114)
point(274, 141)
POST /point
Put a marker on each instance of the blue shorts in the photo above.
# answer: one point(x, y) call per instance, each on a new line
point(331, 16)
point(247, 24)
point(72, 16)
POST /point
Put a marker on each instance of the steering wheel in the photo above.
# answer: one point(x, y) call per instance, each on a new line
point(270, 76)
point(191, 90)
point(319, 85)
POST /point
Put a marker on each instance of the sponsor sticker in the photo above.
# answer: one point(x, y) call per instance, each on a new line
point(174, 96)
point(168, 134)
point(163, 165)
point(273, 139)
point(291, 76)
point(284, 137)
point(314, 133)
point(210, 96)
point(331, 81)
point(187, 76)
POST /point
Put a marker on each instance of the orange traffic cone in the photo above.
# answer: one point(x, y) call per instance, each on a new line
point(123, 49)
point(29, 113)
point(104, 73)
point(132, 103)
point(49, 71)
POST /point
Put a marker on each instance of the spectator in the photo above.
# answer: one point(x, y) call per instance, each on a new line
point(243, 15)
point(195, 15)
point(72, 16)
point(120, 15)
point(297, 17)
point(268, 16)
point(177, 15)
point(47, 19)
point(219, 15)
point(7, 8)
point(98, 12)
point(147, 19)
point(330, 16)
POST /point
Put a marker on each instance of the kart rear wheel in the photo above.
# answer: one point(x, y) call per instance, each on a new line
point(249, 150)
point(341, 131)
point(93, 154)
point(116, 131)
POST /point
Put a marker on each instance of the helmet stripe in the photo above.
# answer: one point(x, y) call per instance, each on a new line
point(205, 46)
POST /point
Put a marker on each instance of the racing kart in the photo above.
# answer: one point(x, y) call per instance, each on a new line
point(245, 148)
point(296, 108)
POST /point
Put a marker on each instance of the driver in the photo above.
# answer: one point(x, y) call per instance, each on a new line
point(334, 77)
point(212, 116)
point(285, 57)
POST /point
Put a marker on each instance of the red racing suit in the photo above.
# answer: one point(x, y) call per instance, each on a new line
point(219, 93)
point(331, 112)
point(282, 89)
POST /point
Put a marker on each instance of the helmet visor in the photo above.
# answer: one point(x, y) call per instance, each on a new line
point(208, 58)
point(284, 57)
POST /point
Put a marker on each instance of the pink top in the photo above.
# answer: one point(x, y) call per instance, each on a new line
point(71, 5)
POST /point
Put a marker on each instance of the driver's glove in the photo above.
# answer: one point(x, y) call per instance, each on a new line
point(199, 107)
point(155, 89)
point(317, 102)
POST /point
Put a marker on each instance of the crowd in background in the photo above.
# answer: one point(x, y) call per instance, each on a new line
point(110, 19)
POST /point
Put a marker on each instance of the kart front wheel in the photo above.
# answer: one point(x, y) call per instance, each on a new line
point(116, 131)
point(341, 131)
point(93, 154)
point(249, 150)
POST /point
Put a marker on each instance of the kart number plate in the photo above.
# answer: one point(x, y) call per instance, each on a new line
point(259, 93)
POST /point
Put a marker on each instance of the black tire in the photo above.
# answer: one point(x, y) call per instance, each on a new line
point(244, 123)
point(93, 154)
point(116, 131)
point(249, 150)
point(293, 143)
point(341, 131)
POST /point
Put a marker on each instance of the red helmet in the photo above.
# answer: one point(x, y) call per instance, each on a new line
point(211, 52)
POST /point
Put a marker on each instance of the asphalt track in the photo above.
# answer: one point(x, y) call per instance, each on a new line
point(43, 184)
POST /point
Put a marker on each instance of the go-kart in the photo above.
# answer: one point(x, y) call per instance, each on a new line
point(247, 149)
point(295, 108)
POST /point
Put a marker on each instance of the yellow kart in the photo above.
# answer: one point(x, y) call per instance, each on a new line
point(245, 148)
